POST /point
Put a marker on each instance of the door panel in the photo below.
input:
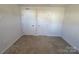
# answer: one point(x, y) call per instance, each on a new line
point(43, 24)
point(29, 21)
point(50, 21)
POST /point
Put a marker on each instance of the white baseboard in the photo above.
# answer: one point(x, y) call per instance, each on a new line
point(10, 45)
point(71, 44)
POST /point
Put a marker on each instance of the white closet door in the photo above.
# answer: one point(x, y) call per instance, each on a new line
point(43, 22)
point(50, 21)
point(29, 21)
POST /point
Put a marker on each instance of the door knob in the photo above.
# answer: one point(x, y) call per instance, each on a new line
point(32, 25)
point(39, 25)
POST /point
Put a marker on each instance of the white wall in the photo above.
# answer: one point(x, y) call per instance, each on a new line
point(10, 27)
point(71, 25)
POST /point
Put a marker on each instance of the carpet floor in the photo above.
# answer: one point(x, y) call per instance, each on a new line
point(40, 45)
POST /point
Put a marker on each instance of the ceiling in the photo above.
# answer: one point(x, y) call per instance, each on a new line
point(43, 5)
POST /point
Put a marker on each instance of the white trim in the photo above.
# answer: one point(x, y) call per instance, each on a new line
point(10, 45)
point(70, 44)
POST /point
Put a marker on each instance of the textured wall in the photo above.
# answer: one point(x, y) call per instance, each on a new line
point(71, 25)
point(10, 28)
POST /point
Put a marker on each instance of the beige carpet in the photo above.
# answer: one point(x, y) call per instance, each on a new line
point(40, 45)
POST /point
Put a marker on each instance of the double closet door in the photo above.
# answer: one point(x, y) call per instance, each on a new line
point(41, 21)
